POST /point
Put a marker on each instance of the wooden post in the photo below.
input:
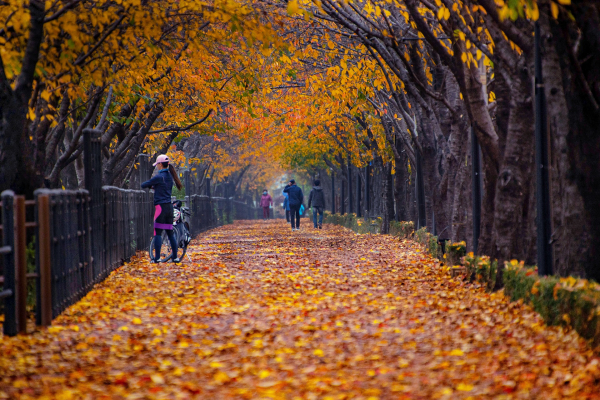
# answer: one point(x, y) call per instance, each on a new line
point(186, 182)
point(44, 265)
point(21, 263)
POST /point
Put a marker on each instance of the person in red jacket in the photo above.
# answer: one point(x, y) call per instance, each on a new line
point(265, 202)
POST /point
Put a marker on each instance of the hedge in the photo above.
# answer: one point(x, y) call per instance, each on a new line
point(399, 229)
point(569, 302)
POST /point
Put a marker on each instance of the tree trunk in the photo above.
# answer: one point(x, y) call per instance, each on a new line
point(16, 150)
point(512, 188)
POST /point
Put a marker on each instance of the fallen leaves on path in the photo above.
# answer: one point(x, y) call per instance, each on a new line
point(263, 312)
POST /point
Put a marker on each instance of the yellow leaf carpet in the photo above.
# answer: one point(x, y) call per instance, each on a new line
point(265, 313)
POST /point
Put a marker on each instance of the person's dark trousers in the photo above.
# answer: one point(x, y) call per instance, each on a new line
point(287, 215)
point(295, 216)
point(265, 212)
point(158, 242)
point(317, 210)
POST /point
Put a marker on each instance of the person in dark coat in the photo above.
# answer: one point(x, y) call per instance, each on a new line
point(316, 199)
point(295, 199)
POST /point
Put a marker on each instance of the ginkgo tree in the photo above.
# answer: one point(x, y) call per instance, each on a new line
point(446, 68)
point(117, 66)
point(451, 66)
point(316, 85)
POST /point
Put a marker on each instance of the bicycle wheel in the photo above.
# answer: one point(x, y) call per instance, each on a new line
point(183, 245)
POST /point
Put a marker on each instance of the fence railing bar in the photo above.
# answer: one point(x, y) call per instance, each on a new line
point(21, 263)
point(43, 261)
point(82, 236)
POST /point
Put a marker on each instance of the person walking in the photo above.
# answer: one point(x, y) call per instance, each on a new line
point(265, 202)
point(162, 183)
point(295, 198)
point(316, 198)
point(286, 206)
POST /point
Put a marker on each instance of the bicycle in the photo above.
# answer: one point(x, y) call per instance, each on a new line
point(181, 230)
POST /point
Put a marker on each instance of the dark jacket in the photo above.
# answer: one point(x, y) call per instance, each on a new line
point(316, 198)
point(162, 183)
point(295, 195)
point(286, 202)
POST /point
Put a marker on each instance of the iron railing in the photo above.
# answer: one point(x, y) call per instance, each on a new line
point(13, 262)
point(244, 211)
point(81, 239)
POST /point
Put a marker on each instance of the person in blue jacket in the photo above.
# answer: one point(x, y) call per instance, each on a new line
point(162, 183)
point(286, 206)
point(295, 199)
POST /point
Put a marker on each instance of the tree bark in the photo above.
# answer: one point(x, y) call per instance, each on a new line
point(18, 167)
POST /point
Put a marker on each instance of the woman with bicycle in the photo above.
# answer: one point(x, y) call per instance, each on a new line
point(162, 183)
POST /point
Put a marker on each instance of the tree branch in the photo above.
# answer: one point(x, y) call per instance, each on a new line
point(106, 34)
point(184, 128)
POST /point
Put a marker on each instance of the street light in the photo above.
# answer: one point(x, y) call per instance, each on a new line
point(542, 194)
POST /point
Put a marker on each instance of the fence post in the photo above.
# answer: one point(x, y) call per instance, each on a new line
point(93, 184)
point(207, 179)
point(8, 243)
point(20, 263)
point(186, 183)
point(143, 168)
point(43, 261)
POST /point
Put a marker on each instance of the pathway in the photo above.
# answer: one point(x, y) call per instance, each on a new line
point(263, 312)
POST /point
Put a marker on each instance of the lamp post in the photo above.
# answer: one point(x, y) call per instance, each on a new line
point(342, 202)
point(332, 191)
point(544, 247)
point(350, 194)
point(358, 192)
point(367, 181)
point(420, 195)
point(476, 189)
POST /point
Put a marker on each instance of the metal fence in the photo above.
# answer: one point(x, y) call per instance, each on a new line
point(80, 237)
point(16, 215)
point(208, 212)
point(244, 211)
point(128, 225)
point(83, 250)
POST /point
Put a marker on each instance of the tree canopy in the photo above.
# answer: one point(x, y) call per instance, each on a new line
point(243, 91)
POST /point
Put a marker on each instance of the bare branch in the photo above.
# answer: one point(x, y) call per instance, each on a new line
point(183, 128)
